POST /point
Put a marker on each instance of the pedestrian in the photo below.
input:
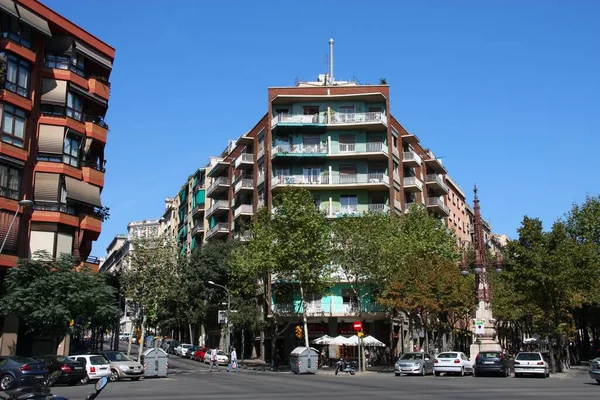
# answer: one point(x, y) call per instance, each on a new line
point(213, 360)
point(233, 362)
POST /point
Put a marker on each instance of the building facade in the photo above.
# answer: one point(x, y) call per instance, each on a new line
point(54, 98)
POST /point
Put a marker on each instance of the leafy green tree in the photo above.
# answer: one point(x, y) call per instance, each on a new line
point(46, 294)
point(153, 277)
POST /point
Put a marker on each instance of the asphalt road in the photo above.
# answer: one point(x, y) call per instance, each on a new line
point(191, 380)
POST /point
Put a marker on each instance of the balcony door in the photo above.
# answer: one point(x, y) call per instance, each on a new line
point(311, 143)
point(311, 175)
point(347, 174)
point(346, 114)
point(348, 204)
point(347, 143)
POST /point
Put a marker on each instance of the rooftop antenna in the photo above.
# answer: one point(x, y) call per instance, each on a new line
point(331, 80)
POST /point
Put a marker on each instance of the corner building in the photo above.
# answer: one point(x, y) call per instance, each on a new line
point(54, 97)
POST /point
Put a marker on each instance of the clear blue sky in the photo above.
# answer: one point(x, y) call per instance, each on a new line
point(508, 92)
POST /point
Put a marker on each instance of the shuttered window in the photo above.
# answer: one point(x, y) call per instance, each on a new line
point(10, 247)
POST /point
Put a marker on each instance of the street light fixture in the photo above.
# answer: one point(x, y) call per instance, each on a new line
point(226, 349)
point(22, 203)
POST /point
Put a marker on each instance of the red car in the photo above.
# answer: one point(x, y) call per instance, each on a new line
point(199, 354)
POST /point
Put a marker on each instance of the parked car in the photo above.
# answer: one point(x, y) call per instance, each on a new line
point(222, 358)
point(182, 349)
point(71, 370)
point(15, 367)
point(122, 366)
point(414, 364)
point(96, 366)
point(594, 369)
point(191, 352)
point(172, 346)
point(455, 362)
point(531, 363)
point(124, 336)
point(491, 362)
point(199, 354)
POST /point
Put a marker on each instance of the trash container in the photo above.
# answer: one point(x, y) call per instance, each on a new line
point(156, 362)
point(304, 360)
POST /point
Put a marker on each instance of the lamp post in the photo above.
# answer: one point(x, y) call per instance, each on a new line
point(22, 203)
point(226, 349)
point(486, 332)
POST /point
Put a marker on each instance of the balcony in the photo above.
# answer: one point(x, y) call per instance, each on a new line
point(57, 213)
point(244, 209)
point(413, 184)
point(260, 153)
point(91, 223)
point(96, 128)
point(198, 228)
point(397, 205)
point(260, 179)
point(245, 183)
point(298, 150)
point(298, 119)
point(436, 204)
point(396, 178)
point(435, 165)
point(245, 160)
point(359, 120)
point(218, 207)
point(57, 207)
point(411, 159)
point(219, 185)
point(99, 86)
point(436, 184)
point(358, 210)
point(362, 150)
point(197, 209)
point(93, 172)
point(371, 180)
point(220, 229)
point(242, 236)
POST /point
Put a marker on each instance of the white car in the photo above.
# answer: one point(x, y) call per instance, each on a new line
point(124, 336)
point(96, 365)
point(531, 363)
point(222, 358)
point(182, 349)
point(455, 362)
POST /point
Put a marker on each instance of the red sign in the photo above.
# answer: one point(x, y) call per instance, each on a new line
point(357, 326)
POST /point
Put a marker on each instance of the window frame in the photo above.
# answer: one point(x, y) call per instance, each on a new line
point(70, 110)
point(17, 31)
point(67, 158)
point(5, 191)
point(19, 64)
point(15, 114)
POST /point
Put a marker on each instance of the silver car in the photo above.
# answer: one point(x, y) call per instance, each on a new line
point(122, 366)
point(595, 369)
point(414, 364)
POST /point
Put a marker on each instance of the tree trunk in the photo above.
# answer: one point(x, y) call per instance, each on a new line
point(129, 339)
point(202, 338)
point(243, 344)
point(191, 334)
point(304, 320)
point(142, 337)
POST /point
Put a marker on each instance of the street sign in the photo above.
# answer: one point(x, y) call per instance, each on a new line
point(479, 327)
point(357, 326)
point(222, 316)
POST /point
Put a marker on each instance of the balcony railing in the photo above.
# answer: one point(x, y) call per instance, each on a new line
point(245, 158)
point(323, 308)
point(96, 120)
point(97, 165)
point(411, 157)
point(353, 148)
point(244, 183)
point(357, 118)
point(217, 205)
point(260, 153)
point(243, 209)
point(217, 182)
point(260, 179)
point(413, 181)
point(298, 119)
point(298, 149)
point(242, 236)
point(219, 227)
point(436, 179)
point(437, 202)
point(197, 208)
point(357, 210)
point(57, 207)
point(197, 228)
point(324, 179)
point(397, 205)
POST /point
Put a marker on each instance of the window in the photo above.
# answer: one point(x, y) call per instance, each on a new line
point(52, 109)
point(71, 150)
point(347, 174)
point(13, 125)
point(57, 62)
point(16, 31)
point(310, 110)
point(311, 174)
point(349, 204)
point(10, 182)
point(77, 64)
point(17, 75)
point(347, 143)
point(74, 106)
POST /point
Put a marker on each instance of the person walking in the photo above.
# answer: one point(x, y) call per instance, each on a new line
point(233, 362)
point(213, 360)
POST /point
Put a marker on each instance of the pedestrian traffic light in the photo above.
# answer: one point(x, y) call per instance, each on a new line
point(298, 331)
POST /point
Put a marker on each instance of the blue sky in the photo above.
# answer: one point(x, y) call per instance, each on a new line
point(507, 92)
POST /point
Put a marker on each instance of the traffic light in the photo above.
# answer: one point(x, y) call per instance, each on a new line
point(298, 331)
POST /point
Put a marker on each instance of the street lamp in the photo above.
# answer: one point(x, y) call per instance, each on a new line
point(228, 312)
point(22, 203)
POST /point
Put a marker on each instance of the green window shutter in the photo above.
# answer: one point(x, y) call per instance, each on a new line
point(200, 197)
point(193, 244)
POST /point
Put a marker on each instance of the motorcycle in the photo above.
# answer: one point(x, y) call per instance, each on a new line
point(343, 366)
point(31, 388)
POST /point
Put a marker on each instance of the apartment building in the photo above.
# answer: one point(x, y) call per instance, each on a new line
point(54, 96)
point(458, 220)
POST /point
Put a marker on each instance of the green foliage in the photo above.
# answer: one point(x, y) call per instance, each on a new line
point(46, 294)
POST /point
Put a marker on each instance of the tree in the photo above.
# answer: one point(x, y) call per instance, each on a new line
point(152, 278)
point(46, 294)
point(291, 245)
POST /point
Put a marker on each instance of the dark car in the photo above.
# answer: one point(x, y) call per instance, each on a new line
point(15, 367)
point(172, 345)
point(72, 371)
point(493, 362)
point(191, 352)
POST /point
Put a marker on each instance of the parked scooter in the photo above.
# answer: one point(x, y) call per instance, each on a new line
point(343, 366)
point(30, 388)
